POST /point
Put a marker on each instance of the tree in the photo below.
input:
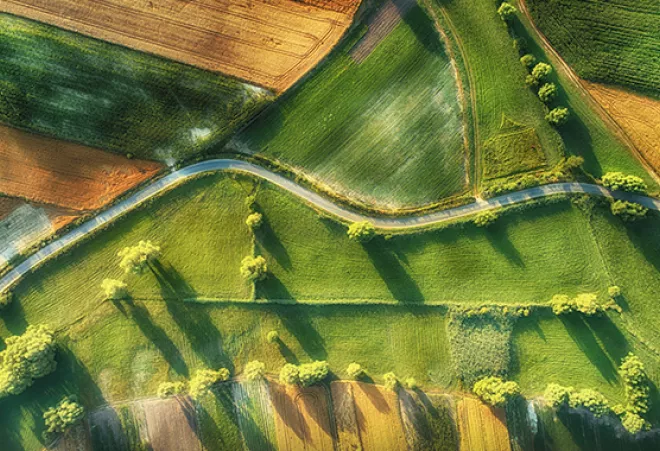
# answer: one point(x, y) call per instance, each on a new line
point(585, 303)
point(362, 231)
point(254, 220)
point(355, 371)
point(67, 413)
point(617, 181)
point(541, 70)
point(254, 269)
point(528, 61)
point(27, 357)
point(636, 384)
point(634, 423)
point(614, 291)
point(485, 219)
point(201, 384)
point(114, 289)
point(255, 370)
point(168, 389)
point(313, 373)
point(557, 116)
point(548, 92)
point(273, 336)
point(496, 392)
point(506, 11)
point(590, 400)
point(289, 374)
point(530, 81)
point(135, 258)
point(628, 211)
point(6, 297)
point(391, 382)
point(557, 396)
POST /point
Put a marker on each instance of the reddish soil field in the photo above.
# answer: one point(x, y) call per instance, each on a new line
point(63, 174)
point(272, 43)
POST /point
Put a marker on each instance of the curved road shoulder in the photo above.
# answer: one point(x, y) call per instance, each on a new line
point(316, 200)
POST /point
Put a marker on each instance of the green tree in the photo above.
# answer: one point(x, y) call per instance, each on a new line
point(26, 357)
point(254, 220)
point(557, 116)
point(485, 219)
point(355, 371)
point(362, 231)
point(548, 92)
point(273, 336)
point(391, 382)
point(114, 289)
point(290, 374)
point(201, 384)
point(313, 373)
point(168, 389)
point(634, 423)
point(67, 413)
point(528, 61)
point(618, 181)
point(614, 291)
point(590, 400)
point(254, 370)
point(636, 384)
point(254, 269)
point(628, 211)
point(541, 71)
point(557, 396)
point(135, 258)
point(506, 11)
point(496, 392)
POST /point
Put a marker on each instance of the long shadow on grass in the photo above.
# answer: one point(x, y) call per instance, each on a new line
point(645, 235)
point(498, 237)
point(420, 24)
point(271, 243)
point(402, 286)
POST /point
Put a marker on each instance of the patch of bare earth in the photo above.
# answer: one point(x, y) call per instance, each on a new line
point(380, 25)
point(272, 43)
point(75, 439)
point(171, 424)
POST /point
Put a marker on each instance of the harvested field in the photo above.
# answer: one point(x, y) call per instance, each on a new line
point(638, 116)
point(75, 439)
point(65, 174)
point(302, 418)
point(481, 428)
point(171, 424)
point(270, 43)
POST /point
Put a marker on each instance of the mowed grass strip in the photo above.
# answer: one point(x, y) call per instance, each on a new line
point(387, 131)
point(80, 89)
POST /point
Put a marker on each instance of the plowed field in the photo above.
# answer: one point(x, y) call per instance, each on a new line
point(481, 428)
point(268, 42)
point(64, 174)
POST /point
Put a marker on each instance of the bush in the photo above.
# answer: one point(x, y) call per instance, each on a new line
point(636, 384)
point(529, 61)
point(614, 291)
point(362, 231)
point(485, 219)
point(585, 303)
point(168, 389)
point(541, 71)
point(254, 269)
point(5, 298)
point(273, 336)
point(496, 392)
point(355, 371)
point(254, 220)
point(312, 373)
point(506, 11)
point(628, 211)
point(530, 81)
point(390, 381)
point(201, 384)
point(289, 374)
point(67, 413)
point(617, 181)
point(135, 258)
point(557, 396)
point(634, 423)
point(114, 289)
point(548, 92)
point(557, 116)
point(26, 357)
point(590, 400)
point(255, 370)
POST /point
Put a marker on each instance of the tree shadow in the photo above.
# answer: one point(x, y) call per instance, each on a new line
point(615, 343)
point(270, 242)
point(420, 24)
point(400, 284)
point(287, 353)
point(498, 237)
point(14, 317)
point(374, 396)
point(288, 410)
point(645, 236)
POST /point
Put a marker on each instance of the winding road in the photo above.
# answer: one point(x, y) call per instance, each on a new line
point(318, 201)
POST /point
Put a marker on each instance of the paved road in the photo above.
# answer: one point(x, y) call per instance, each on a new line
point(307, 195)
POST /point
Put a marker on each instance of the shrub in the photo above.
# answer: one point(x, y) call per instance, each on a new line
point(254, 220)
point(485, 219)
point(355, 371)
point(541, 71)
point(254, 269)
point(561, 304)
point(362, 231)
point(506, 11)
point(5, 298)
point(529, 61)
point(634, 423)
point(628, 211)
point(114, 289)
point(557, 396)
point(201, 384)
point(135, 258)
point(530, 81)
point(255, 370)
point(614, 291)
point(619, 181)
point(67, 413)
point(411, 383)
point(289, 374)
point(636, 384)
point(273, 336)
point(548, 92)
point(590, 400)
point(390, 381)
point(496, 392)
point(26, 357)
point(312, 373)
point(572, 162)
point(168, 389)
point(585, 303)
point(557, 116)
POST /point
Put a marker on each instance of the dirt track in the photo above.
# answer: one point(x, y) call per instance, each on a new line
point(267, 42)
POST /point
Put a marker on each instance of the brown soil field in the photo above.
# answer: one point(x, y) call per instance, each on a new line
point(302, 418)
point(481, 428)
point(63, 174)
point(272, 43)
point(638, 116)
point(376, 414)
point(171, 424)
point(7, 205)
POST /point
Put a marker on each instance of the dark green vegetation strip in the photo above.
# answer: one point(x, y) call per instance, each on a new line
point(77, 88)
point(218, 423)
point(610, 41)
point(387, 131)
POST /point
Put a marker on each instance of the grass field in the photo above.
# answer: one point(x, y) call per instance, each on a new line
point(387, 131)
point(76, 88)
point(615, 42)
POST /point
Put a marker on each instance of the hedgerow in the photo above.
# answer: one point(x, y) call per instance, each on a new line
point(619, 181)
point(496, 392)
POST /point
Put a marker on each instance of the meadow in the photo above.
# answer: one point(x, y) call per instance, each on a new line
point(614, 42)
point(76, 88)
point(387, 131)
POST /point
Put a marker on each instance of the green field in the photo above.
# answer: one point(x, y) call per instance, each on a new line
point(77, 88)
point(613, 41)
point(387, 131)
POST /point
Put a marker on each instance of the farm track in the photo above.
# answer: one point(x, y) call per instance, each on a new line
point(316, 200)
